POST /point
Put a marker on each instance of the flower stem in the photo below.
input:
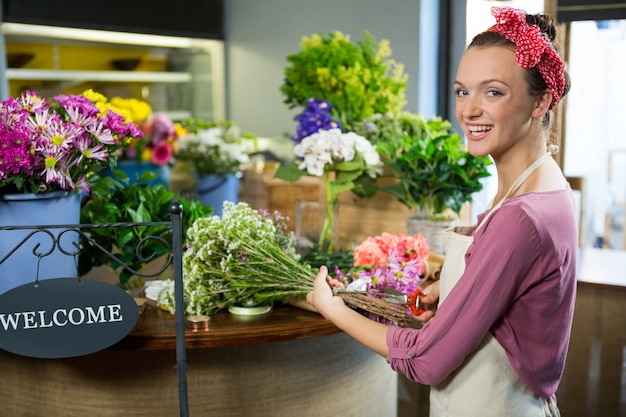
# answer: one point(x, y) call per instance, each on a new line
point(326, 237)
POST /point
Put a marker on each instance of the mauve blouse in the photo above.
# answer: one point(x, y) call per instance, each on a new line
point(519, 284)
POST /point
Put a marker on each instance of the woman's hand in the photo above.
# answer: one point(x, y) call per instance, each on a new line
point(327, 284)
point(429, 302)
point(322, 297)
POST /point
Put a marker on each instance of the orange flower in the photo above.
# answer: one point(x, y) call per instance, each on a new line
point(376, 250)
point(369, 253)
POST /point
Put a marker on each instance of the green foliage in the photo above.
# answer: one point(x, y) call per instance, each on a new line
point(358, 80)
point(346, 176)
point(116, 200)
point(317, 256)
point(434, 168)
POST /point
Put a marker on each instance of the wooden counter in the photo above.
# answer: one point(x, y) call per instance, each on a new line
point(594, 381)
point(603, 267)
point(156, 329)
point(289, 362)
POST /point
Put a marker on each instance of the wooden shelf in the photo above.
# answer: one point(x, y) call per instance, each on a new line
point(109, 76)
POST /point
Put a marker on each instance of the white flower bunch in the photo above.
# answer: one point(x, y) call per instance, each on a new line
point(206, 139)
point(325, 150)
point(214, 149)
point(246, 254)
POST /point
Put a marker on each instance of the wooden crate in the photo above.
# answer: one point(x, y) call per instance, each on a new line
point(359, 218)
point(299, 201)
point(252, 189)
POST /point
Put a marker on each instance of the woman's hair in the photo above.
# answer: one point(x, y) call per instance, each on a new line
point(534, 79)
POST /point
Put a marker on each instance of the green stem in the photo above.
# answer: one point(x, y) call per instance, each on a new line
point(326, 236)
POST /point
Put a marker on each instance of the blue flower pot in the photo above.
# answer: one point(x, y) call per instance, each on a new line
point(24, 266)
point(213, 190)
point(135, 169)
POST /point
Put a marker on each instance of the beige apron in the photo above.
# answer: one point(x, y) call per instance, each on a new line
point(485, 385)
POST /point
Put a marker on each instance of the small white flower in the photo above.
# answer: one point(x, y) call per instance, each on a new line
point(324, 148)
point(210, 137)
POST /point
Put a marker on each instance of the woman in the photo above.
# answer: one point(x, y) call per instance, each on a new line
point(498, 342)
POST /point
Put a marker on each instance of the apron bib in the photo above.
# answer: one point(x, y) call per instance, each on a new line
point(485, 385)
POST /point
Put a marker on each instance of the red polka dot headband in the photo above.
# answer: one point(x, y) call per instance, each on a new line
point(531, 48)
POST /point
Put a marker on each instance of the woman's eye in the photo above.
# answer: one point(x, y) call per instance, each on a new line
point(461, 93)
point(493, 93)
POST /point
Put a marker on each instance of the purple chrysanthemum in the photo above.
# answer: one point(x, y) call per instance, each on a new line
point(51, 145)
point(162, 128)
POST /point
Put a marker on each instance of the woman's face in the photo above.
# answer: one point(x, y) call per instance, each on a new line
point(492, 101)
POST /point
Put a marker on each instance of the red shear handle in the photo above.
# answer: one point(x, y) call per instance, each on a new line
point(413, 301)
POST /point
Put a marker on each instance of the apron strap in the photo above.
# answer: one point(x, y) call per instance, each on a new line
point(516, 185)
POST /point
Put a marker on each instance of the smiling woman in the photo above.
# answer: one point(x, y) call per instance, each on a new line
point(520, 259)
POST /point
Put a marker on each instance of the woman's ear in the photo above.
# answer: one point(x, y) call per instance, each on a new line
point(542, 105)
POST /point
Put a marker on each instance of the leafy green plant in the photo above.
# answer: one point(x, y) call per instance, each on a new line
point(116, 200)
point(435, 171)
point(358, 80)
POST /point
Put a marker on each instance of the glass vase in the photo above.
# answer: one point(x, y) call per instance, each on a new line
point(432, 230)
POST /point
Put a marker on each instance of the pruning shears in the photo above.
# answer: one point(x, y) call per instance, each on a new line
point(412, 300)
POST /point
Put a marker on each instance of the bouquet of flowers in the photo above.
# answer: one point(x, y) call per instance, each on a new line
point(387, 261)
point(375, 251)
point(345, 160)
point(247, 257)
point(244, 255)
point(50, 145)
point(214, 147)
point(160, 133)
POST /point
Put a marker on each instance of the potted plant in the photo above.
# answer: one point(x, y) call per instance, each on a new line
point(339, 83)
point(154, 152)
point(435, 174)
point(357, 80)
point(117, 199)
point(345, 161)
point(49, 150)
point(213, 154)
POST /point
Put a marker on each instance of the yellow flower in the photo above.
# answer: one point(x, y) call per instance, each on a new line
point(312, 42)
point(94, 96)
point(136, 110)
point(383, 49)
point(180, 130)
point(103, 107)
point(340, 36)
point(336, 41)
point(146, 154)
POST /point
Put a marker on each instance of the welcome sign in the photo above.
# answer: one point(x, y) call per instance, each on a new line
point(64, 317)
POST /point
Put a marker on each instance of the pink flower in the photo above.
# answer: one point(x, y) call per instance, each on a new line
point(162, 128)
point(53, 144)
point(395, 261)
point(376, 250)
point(162, 153)
point(369, 254)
